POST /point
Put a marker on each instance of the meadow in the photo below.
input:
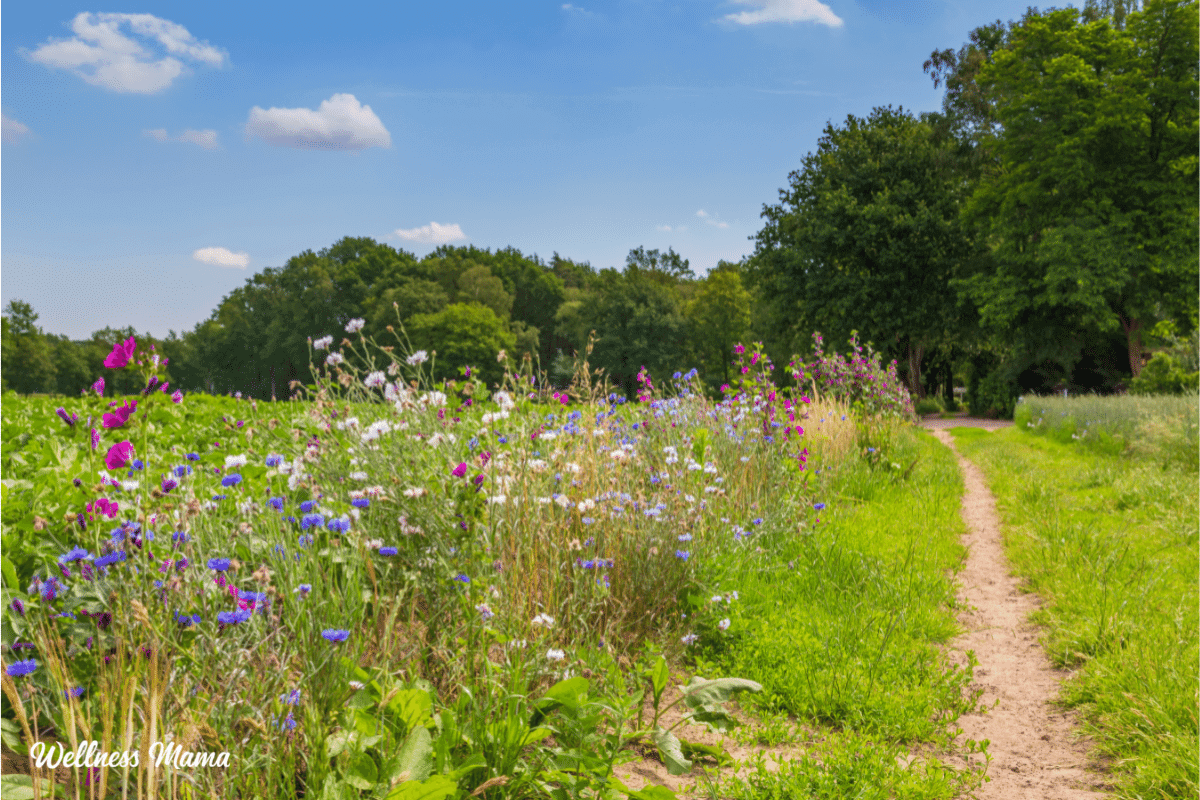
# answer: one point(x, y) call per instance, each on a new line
point(400, 588)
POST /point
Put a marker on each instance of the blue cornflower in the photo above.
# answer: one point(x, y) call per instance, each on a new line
point(340, 525)
point(137, 464)
point(819, 506)
point(587, 520)
point(335, 634)
point(232, 479)
point(233, 617)
point(685, 537)
point(305, 540)
point(76, 692)
point(111, 558)
point(503, 439)
point(19, 668)
point(360, 502)
point(311, 520)
point(180, 537)
point(181, 470)
point(74, 554)
point(291, 698)
point(757, 521)
point(192, 457)
point(304, 589)
point(186, 620)
point(246, 594)
point(683, 555)
point(218, 564)
point(276, 503)
point(274, 460)
point(307, 506)
point(218, 497)
point(462, 578)
point(388, 551)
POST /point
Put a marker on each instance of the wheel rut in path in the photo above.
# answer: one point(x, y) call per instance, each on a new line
point(1035, 751)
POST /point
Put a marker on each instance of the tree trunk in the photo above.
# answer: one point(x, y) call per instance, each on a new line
point(1133, 339)
point(914, 370)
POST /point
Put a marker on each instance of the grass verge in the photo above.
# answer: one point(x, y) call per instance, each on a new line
point(1110, 544)
point(841, 621)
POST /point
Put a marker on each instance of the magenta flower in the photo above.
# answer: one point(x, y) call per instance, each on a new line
point(121, 353)
point(177, 397)
point(104, 507)
point(95, 438)
point(98, 387)
point(460, 470)
point(118, 455)
point(120, 415)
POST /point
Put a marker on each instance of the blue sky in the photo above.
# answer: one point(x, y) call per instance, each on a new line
point(152, 161)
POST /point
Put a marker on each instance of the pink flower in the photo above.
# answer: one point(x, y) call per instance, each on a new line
point(118, 455)
point(121, 353)
point(120, 415)
point(104, 507)
point(98, 387)
point(460, 470)
point(177, 397)
point(95, 438)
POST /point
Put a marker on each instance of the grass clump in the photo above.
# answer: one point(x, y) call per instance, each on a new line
point(1110, 544)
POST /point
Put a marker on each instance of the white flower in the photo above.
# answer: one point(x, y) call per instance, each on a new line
point(333, 359)
point(716, 598)
point(358, 476)
point(537, 465)
point(724, 624)
point(356, 685)
point(323, 343)
point(417, 491)
point(435, 399)
point(504, 400)
point(586, 505)
point(555, 655)
point(543, 621)
point(129, 486)
point(497, 500)
point(419, 357)
point(235, 461)
point(390, 392)
point(374, 379)
point(355, 325)
point(691, 637)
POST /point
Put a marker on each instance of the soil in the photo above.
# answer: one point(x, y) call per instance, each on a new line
point(1035, 749)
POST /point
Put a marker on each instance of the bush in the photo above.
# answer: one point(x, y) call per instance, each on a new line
point(1164, 375)
point(995, 396)
point(861, 381)
point(928, 405)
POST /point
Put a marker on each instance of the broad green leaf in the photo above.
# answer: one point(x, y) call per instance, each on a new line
point(715, 720)
point(337, 741)
point(659, 674)
point(570, 692)
point(413, 707)
point(416, 756)
point(700, 693)
point(670, 751)
point(362, 773)
point(438, 787)
point(693, 749)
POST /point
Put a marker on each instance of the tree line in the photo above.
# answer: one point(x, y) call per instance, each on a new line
point(1038, 232)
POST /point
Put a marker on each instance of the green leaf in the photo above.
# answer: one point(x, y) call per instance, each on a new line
point(362, 773)
point(648, 793)
point(336, 742)
point(714, 720)
point(670, 751)
point(570, 692)
point(20, 787)
point(415, 757)
point(413, 707)
point(659, 674)
point(694, 749)
point(438, 787)
point(10, 734)
point(700, 693)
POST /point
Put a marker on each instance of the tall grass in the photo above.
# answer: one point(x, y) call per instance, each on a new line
point(1161, 428)
point(1110, 544)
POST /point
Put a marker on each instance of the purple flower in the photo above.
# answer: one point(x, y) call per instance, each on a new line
point(819, 506)
point(67, 418)
point(18, 606)
point(98, 387)
point(177, 397)
point(460, 470)
point(118, 454)
point(121, 353)
point(168, 484)
point(388, 551)
point(111, 558)
point(232, 479)
point(360, 502)
point(683, 555)
point(335, 635)
point(19, 668)
point(311, 520)
point(276, 503)
point(233, 617)
point(74, 554)
point(274, 460)
point(218, 564)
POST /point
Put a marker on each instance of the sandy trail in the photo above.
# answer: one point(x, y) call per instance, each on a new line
point(1034, 748)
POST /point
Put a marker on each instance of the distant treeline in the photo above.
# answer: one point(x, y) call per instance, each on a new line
point(1038, 233)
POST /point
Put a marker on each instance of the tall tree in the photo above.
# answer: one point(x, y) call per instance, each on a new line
point(718, 318)
point(1089, 193)
point(867, 236)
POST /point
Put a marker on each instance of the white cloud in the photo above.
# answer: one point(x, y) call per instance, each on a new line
point(104, 52)
point(221, 257)
point(710, 220)
point(671, 229)
point(433, 233)
point(205, 138)
point(13, 131)
point(785, 11)
point(340, 123)
point(583, 11)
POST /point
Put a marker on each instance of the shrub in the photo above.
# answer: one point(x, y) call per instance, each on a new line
point(859, 380)
point(1164, 375)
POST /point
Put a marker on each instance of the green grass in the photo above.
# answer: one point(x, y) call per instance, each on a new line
point(1158, 428)
point(1110, 544)
point(842, 622)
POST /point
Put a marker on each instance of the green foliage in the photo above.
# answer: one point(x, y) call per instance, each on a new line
point(718, 318)
point(462, 335)
point(867, 235)
point(1164, 375)
point(1110, 545)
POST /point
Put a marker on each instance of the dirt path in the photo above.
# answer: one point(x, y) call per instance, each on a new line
point(1034, 751)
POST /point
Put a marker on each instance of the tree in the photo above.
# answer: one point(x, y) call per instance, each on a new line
point(479, 285)
point(28, 355)
point(1088, 195)
point(867, 236)
point(718, 318)
point(463, 334)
